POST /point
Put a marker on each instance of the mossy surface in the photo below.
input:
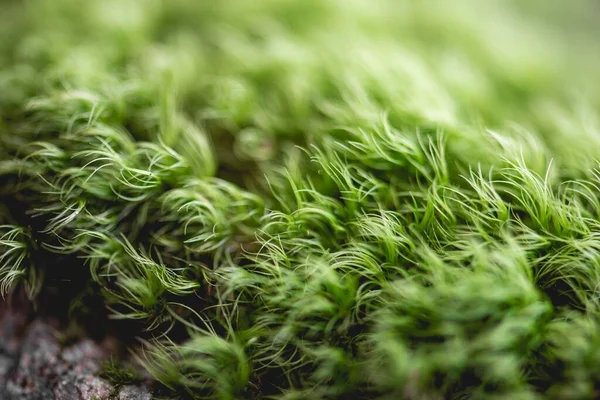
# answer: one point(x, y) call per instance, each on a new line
point(311, 199)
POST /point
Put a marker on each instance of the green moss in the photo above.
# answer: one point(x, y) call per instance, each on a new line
point(315, 199)
point(118, 374)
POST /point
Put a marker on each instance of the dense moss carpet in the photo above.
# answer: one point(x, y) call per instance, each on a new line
point(315, 199)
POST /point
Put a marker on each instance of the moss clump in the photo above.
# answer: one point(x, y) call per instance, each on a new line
point(119, 375)
point(315, 199)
